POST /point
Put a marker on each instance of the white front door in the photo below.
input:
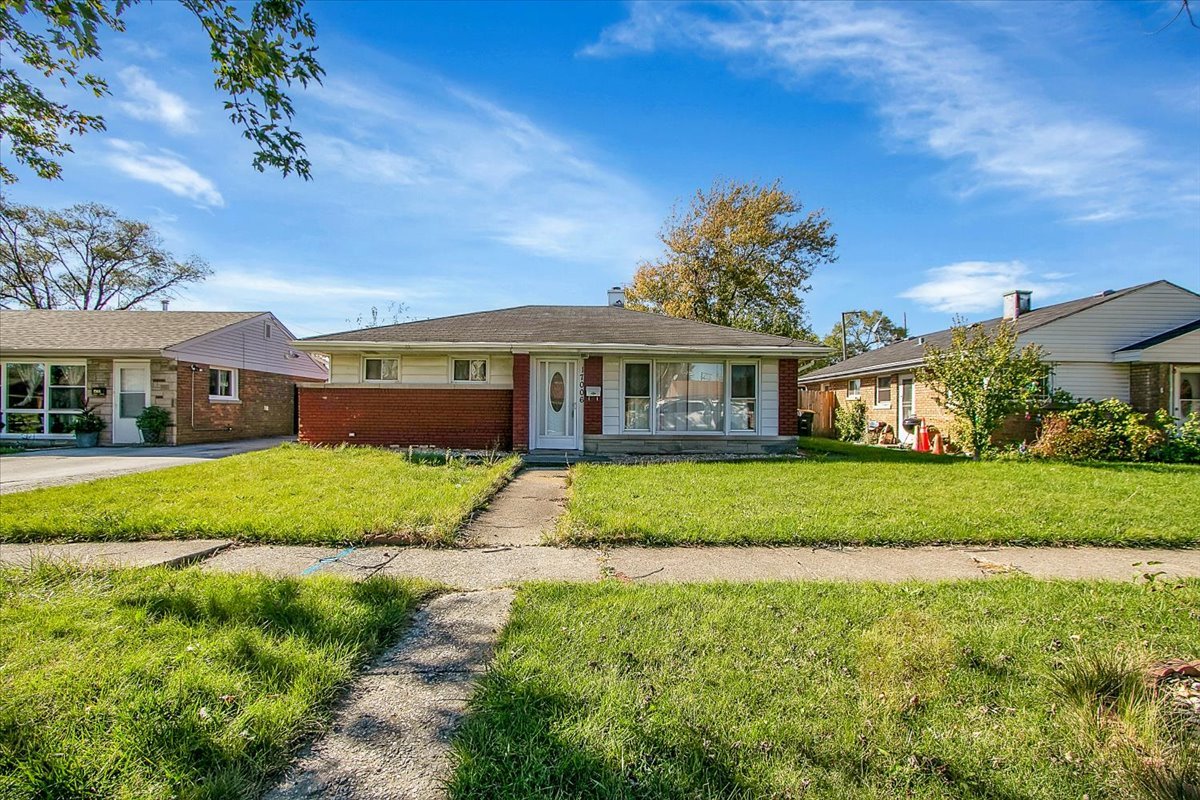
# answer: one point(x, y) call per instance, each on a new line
point(556, 416)
point(907, 407)
point(131, 393)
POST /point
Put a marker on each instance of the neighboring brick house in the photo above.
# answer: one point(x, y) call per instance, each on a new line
point(222, 375)
point(599, 379)
point(1140, 345)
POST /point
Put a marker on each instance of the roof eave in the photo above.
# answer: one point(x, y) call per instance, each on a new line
point(331, 346)
point(891, 366)
point(74, 352)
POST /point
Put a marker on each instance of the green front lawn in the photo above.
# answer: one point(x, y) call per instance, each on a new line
point(852, 494)
point(159, 683)
point(996, 690)
point(289, 494)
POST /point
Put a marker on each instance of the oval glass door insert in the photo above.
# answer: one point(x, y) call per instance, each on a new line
point(558, 391)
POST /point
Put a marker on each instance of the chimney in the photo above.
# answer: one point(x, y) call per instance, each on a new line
point(166, 303)
point(1016, 303)
point(616, 297)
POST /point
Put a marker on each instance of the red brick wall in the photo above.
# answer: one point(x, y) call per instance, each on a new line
point(460, 418)
point(520, 403)
point(1150, 386)
point(788, 397)
point(265, 407)
point(593, 407)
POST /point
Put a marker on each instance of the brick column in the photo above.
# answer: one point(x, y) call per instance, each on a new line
point(520, 403)
point(593, 407)
point(788, 397)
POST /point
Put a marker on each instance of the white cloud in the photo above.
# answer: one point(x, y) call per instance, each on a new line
point(164, 169)
point(432, 149)
point(935, 89)
point(147, 101)
point(974, 286)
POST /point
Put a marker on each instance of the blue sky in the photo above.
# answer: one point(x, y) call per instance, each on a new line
point(471, 156)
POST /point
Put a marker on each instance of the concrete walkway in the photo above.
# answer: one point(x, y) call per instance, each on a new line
point(20, 472)
point(521, 514)
point(490, 568)
point(391, 736)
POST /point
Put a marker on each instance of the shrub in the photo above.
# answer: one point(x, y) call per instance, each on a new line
point(851, 421)
point(1111, 430)
point(86, 421)
point(153, 423)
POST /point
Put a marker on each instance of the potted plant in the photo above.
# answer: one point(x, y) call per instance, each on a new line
point(86, 426)
point(153, 423)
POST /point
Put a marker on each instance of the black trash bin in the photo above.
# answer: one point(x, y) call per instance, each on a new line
point(805, 423)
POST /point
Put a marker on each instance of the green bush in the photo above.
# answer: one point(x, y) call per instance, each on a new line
point(1111, 430)
point(153, 423)
point(851, 421)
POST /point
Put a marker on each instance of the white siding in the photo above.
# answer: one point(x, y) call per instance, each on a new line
point(423, 369)
point(1185, 348)
point(245, 345)
point(611, 395)
point(1091, 380)
point(345, 368)
point(1094, 334)
point(768, 386)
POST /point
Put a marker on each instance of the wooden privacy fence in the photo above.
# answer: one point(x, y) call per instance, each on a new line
point(821, 404)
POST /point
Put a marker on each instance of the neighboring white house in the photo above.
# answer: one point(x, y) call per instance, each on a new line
point(1140, 345)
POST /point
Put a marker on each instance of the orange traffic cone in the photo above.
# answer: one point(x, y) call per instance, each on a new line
point(939, 447)
point(922, 438)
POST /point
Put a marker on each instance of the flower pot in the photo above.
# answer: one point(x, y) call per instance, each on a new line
point(88, 439)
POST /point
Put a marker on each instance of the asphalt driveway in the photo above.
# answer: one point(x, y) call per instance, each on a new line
point(23, 471)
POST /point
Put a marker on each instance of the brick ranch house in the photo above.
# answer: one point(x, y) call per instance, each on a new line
point(595, 379)
point(1140, 345)
point(222, 375)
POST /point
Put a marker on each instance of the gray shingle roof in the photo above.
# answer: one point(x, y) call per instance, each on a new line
point(912, 350)
point(103, 331)
point(1167, 336)
point(594, 325)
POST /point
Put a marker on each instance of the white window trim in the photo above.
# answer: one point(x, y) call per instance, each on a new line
point(363, 369)
point(728, 398)
point(233, 385)
point(858, 394)
point(487, 369)
point(45, 411)
point(649, 429)
point(891, 391)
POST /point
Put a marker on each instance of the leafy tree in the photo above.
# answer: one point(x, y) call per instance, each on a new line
point(865, 330)
point(982, 378)
point(741, 255)
point(254, 61)
point(85, 257)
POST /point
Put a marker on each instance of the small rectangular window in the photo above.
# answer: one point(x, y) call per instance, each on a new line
point(883, 391)
point(743, 396)
point(382, 369)
point(854, 389)
point(222, 383)
point(470, 370)
point(637, 397)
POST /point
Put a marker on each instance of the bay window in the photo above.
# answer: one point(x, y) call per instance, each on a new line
point(681, 397)
point(41, 397)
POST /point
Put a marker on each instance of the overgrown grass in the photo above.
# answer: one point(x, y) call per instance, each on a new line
point(852, 494)
point(158, 683)
point(816, 690)
point(292, 494)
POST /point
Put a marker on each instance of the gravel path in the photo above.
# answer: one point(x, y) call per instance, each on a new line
point(390, 738)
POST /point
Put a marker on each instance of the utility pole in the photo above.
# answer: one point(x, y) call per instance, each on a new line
point(844, 313)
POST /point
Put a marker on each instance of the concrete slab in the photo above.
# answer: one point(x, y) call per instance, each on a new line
point(523, 513)
point(391, 736)
point(274, 560)
point(21, 472)
point(1094, 562)
point(116, 554)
